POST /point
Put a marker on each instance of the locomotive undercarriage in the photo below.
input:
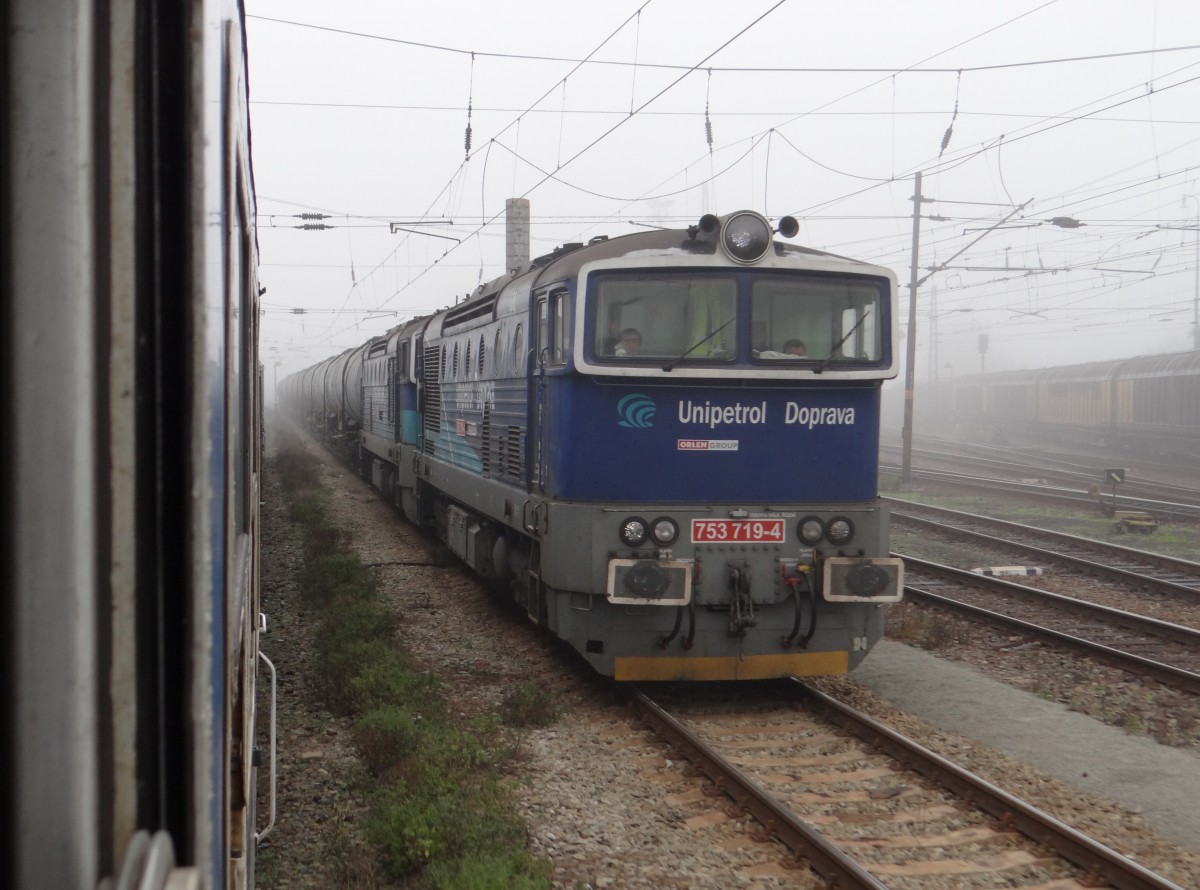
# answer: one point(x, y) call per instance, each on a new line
point(750, 611)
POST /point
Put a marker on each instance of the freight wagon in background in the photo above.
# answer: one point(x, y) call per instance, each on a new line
point(1149, 403)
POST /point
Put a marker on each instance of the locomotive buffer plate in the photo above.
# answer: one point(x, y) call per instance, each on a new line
point(859, 580)
point(650, 582)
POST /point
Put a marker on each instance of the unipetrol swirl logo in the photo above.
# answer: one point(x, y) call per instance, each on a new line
point(636, 411)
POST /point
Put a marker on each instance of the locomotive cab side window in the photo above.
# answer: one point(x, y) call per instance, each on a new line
point(402, 375)
point(542, 345)
point(553, 317)
point(560, 321)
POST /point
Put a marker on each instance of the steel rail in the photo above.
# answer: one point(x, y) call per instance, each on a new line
point(1047, 492)
point(1153, 560)
point(829, 860)
point(1175, 676)
point(1151, 627)
point(1074, 846)
point(1060, 472)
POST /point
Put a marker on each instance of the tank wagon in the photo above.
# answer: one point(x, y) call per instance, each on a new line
point(129, 594)
point(1149, 403)
point(622, 434)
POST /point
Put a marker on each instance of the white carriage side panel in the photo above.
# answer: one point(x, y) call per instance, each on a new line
point(53, 437)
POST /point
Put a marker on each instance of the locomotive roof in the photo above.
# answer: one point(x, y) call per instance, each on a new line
point(566, 260)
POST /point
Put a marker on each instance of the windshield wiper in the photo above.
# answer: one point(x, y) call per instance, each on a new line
point(671, 364)
point(838, 345)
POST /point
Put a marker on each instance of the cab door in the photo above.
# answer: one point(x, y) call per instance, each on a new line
point(551, 348)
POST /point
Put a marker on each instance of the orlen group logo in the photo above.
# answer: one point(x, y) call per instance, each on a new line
point(636, 411)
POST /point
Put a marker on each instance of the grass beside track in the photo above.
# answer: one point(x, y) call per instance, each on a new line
point(440, 814)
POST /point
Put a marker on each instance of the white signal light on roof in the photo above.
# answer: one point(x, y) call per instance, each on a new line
point(746, 237)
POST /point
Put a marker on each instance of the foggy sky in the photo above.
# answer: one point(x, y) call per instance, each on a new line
point(1080, 111)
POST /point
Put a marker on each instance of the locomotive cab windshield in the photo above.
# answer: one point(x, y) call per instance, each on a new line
point(762, 319)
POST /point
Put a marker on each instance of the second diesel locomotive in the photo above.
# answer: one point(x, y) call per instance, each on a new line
point(665, 443)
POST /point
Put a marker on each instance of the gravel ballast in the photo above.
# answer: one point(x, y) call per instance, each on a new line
point(606, 803)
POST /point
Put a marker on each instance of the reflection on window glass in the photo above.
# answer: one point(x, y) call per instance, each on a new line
point(561, 322)
point(518, 351)
point(823, 318)
point(666, 316)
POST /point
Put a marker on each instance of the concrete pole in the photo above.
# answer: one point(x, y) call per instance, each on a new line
point(911, 359)
point(1196, 271)
point(516, 233)
point(1196, 295)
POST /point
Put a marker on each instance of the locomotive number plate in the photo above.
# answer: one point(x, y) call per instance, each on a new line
point(733, 531)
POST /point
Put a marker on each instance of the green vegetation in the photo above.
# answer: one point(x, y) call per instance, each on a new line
point(440, 816)
point(928, 629)
point(529, 705)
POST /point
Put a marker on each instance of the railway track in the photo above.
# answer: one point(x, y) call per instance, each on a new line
point(1183, 512)
point(1167, 652)
point(1179, 578)
point(1056, 470)
point(867, 808)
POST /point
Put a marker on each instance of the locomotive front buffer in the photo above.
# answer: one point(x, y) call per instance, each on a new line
point(744, 577)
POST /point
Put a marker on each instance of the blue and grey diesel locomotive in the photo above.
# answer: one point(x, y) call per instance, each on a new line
point(665, 444)
point(129, 499)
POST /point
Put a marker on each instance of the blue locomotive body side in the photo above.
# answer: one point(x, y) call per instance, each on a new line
point(613, 442)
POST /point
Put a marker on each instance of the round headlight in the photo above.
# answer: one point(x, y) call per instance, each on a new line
point(664, 531)
point(810, 530)
point(633, 531)
point(746, 237)
point(840, 531)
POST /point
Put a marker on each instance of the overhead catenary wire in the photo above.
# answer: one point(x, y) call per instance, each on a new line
point(446, 188)
point(555, 175)
point(754, 69)
point(600, 138)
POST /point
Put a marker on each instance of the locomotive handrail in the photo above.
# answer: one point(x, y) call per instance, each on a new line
point(259, 835)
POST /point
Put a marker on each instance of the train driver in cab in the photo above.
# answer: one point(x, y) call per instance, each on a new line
point(791, 349)
point(629, 342)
